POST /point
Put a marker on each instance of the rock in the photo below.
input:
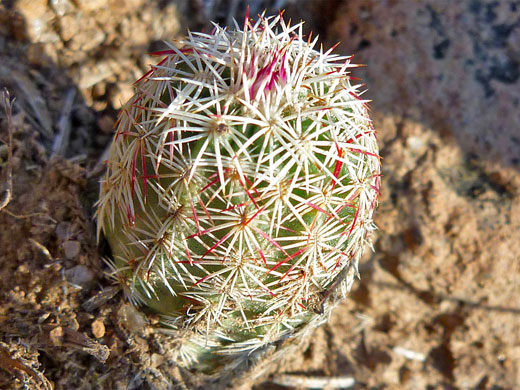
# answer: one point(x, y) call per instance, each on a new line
point(91, 36)
point(91, 5)
point(71, 249)
point(69, 26)
point(62, 7)
point(130, 318)
point(156, 360)
point(38, 19)
point(98, 329)
point(453, 66)
point(32, 9)
point(79, 275)
point(90, 75)
point(63, 230)
point(415, 143)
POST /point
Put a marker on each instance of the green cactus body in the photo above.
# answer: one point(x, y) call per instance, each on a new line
point(240, 189)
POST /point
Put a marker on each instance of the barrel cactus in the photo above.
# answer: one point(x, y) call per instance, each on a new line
point(240, 189)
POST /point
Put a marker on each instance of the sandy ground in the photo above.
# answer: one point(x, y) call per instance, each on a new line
point(438, 303)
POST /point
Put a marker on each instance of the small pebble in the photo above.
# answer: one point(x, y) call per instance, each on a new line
point(79, 275)
point(62, 230)
point(156, 360)
point(98, 329)
point(414, 143)
point(130, 318)
point(71, 249)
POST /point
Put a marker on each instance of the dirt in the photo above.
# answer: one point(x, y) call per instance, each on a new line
point(437, 305)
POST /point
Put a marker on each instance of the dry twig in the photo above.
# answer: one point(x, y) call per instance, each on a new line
point(13, 366)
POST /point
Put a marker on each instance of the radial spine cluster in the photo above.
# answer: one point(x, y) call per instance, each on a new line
point(240, 188)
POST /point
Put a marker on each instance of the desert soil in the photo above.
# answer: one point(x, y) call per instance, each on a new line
point(438, 302)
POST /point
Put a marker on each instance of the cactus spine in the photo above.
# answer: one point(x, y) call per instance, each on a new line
point(240, 189)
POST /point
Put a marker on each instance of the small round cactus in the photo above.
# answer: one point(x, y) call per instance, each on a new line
point(240, 189)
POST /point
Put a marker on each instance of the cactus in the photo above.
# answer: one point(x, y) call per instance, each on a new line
point(240, 189)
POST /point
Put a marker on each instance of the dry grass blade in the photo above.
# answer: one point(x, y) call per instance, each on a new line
point(61, 140)
point(8, 192)
point(33, 103)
